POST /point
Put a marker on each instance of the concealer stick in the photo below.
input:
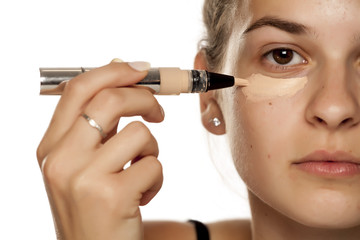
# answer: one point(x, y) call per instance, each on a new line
point(163, 81)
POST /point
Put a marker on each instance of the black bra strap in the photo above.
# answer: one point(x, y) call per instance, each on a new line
point(202, 231)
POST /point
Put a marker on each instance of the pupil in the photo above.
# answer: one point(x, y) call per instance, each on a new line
point(283, 56)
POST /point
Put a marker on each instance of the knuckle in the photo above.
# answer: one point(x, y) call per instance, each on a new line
point(75, 87)
point(155, 147)
point(53, 172)
point(144, 136)
point(141, 130)
point(108, 98)
point(149, 95)
point(40, 154)
point(151, 100)
point(140, 127)
point(154, 164)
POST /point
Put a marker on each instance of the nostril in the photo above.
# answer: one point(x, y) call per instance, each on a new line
point(352, 122)
point(345, 121)
point(319, 120)
point(342, 113)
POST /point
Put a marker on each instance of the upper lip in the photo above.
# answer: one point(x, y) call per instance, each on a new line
point(326, 156)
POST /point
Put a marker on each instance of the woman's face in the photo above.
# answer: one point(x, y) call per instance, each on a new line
point(299, 152)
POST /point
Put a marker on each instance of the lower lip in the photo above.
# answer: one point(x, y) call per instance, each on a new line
point(330, 169)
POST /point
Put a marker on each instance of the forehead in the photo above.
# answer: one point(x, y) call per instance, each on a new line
point(323, 17)
point(305, 9)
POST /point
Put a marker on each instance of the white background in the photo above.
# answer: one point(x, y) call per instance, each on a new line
point(71, 33)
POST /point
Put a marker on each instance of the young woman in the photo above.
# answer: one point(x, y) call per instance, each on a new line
point(294, 132)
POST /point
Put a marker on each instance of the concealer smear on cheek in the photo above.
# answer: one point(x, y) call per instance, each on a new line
point(262, 88)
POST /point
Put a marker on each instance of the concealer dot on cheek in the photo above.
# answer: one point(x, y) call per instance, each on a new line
point(262, 88)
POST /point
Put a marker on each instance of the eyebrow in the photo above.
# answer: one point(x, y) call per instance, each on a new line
point(287, 26)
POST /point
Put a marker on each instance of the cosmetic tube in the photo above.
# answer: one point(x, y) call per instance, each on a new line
point(163, 81)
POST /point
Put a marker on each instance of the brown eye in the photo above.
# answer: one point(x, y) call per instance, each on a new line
point(282, 56)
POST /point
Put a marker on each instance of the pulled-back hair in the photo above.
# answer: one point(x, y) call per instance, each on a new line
point(218, 17)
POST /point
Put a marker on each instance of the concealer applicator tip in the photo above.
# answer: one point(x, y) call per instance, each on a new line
point(241, 82)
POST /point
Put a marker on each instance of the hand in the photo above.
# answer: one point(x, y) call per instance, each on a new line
point(91, 195)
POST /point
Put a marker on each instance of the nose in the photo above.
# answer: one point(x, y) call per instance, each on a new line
point(335, 104)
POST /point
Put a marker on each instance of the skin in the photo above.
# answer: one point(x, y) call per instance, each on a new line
point(84, 174)
point(93, 197)
point(266, 137)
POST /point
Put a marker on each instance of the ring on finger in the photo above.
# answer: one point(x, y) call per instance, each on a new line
point(94, 124)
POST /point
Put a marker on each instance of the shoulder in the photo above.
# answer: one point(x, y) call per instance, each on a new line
point(230, 230)
point(223, 230)
point(169, 230)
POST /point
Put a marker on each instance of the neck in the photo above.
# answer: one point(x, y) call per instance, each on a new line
point(269, 224)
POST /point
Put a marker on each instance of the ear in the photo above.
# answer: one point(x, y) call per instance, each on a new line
point(209, 106)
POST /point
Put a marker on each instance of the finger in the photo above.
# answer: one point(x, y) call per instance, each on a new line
point(133, 142)
point(110, 134)
point(109, 105)
point(80, 90)
point(145, 177)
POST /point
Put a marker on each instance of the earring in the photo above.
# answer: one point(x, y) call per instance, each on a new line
point(215, 121)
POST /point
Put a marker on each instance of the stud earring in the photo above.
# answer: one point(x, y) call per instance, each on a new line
point(215, 121)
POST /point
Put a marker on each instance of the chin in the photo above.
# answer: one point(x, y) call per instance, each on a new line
point(328, 212)
point(334, 222)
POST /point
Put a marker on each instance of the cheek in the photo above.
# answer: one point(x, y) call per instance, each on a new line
point(258, 132)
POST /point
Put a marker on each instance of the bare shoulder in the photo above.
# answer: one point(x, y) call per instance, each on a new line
point(169, 230)
point(230, 230)
point(223, 230)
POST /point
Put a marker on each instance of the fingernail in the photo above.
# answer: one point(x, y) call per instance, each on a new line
point(118, 60)
point(140, 66)
point(162, 111)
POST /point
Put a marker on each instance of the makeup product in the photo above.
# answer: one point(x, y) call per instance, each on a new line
point(264, 88)
point(163, 81)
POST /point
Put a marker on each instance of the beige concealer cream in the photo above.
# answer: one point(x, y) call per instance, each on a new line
point(262, 88)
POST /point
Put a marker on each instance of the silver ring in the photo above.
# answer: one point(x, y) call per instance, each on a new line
point(95, 125)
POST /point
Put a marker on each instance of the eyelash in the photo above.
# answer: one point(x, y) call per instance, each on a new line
point(268, 59)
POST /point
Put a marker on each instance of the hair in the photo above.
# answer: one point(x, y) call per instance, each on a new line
point(218, 17)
